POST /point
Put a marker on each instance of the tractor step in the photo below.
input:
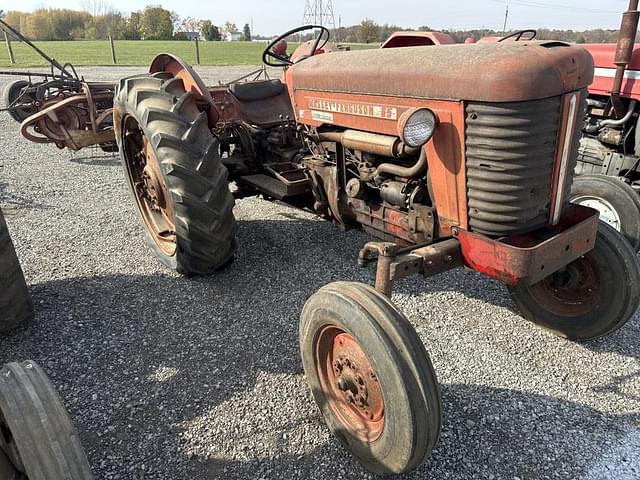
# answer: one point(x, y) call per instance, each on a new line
point(275, 187)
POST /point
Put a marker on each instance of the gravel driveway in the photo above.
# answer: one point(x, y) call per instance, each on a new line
point(174, 378)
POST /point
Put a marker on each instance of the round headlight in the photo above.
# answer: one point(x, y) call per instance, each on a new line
point(416, 126)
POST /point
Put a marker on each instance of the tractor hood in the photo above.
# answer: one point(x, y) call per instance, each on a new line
point(486, 72)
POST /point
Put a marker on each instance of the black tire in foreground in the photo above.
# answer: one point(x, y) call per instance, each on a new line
point(11, 93)
point(175, 174)
point(594, 296)
point(617, 202)
point(36, 433)
point(371, 377)
point(16, 307)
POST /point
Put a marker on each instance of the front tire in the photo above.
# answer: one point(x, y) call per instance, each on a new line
point(617, 202)
point(594, 296)
point(16, 307)
point(175, 174)
point(36, 433)
point(371, 377)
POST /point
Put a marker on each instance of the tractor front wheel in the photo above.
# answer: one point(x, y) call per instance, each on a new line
point(175, 173)
point(37, 439)
point(617, 202)
point(592, 296)
point(371, 377)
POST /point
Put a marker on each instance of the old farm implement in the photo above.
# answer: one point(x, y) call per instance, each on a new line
point(59, 106)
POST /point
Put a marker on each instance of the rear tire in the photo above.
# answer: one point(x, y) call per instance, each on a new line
point(36, 432)
point(371, 377)
point(16, 307)
point(12, 93)
point(597, 294)
point(617, 202)
point(190, 186)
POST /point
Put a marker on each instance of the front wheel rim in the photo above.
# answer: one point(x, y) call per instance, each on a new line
point(349, 383)
point(572, 292)
point(149, 187)
point(608, 213)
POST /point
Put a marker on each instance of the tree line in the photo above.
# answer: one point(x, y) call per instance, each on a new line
point(369, 31)
point(101, 22)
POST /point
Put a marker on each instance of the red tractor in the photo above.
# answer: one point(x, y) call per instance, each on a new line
point(449, 155)
point(609, 155)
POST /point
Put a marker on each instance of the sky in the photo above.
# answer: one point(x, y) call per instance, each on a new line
point(276, 16)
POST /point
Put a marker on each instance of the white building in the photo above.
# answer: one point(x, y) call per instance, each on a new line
point(193, 35)
point(233, 36)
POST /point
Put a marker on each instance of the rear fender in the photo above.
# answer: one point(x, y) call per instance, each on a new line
point(166, 62)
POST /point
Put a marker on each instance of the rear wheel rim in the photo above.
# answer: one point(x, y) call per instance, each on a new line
point(608, 213)
point(349, 383)
point(571, 292)
point(147, 182)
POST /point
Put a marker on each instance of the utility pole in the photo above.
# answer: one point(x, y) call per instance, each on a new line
point(506, 17)
point(319, 12)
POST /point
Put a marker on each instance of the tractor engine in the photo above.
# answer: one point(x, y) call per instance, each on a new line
point(610, 144)
point(371, 180)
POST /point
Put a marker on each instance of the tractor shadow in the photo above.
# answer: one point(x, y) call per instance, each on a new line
point(487, 433)
point(154, 366)
point(97, 158)
point(12, 202)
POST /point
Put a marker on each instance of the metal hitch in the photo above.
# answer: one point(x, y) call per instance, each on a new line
point(395, 262)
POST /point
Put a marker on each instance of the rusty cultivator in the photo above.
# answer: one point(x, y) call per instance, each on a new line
point(59, 106)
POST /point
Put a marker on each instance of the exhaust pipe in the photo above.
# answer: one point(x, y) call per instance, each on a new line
point(624, 52)
point(383, 145)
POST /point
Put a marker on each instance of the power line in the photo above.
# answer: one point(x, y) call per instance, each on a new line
point(553, 6)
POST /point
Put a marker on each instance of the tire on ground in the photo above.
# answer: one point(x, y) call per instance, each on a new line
point(577, 308)
point(618, 195)
point(188, 154)
point(38, 435)
point(10, 94)
point(399, 362)
point(16, 307)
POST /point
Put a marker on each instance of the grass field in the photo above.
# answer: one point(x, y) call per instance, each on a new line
point(131, 52)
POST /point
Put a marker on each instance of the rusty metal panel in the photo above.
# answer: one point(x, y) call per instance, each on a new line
point(530, 258)
point(510, 161)
point(487, 72)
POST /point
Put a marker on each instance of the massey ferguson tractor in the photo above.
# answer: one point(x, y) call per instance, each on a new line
point(447, 155)
point(37, 439)
point(609, 155)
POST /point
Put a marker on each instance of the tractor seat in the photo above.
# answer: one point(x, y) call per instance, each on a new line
point(259, 90)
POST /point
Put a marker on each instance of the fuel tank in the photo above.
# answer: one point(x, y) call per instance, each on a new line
point(605, 71)
point(484, 72)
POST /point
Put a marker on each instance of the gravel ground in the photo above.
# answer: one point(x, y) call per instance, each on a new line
point(171, 378)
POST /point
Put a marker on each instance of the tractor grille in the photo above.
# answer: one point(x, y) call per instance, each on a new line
point(510, 149)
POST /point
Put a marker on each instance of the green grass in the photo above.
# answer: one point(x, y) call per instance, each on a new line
point(131, 52)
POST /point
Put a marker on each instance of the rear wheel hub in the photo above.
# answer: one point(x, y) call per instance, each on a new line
point(152, 195)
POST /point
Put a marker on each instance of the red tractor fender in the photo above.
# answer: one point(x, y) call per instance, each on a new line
point(417, 39)
point(166, 62)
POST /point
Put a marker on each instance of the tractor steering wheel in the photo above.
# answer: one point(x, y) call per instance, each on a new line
point(520, 34)
point(283, 60)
